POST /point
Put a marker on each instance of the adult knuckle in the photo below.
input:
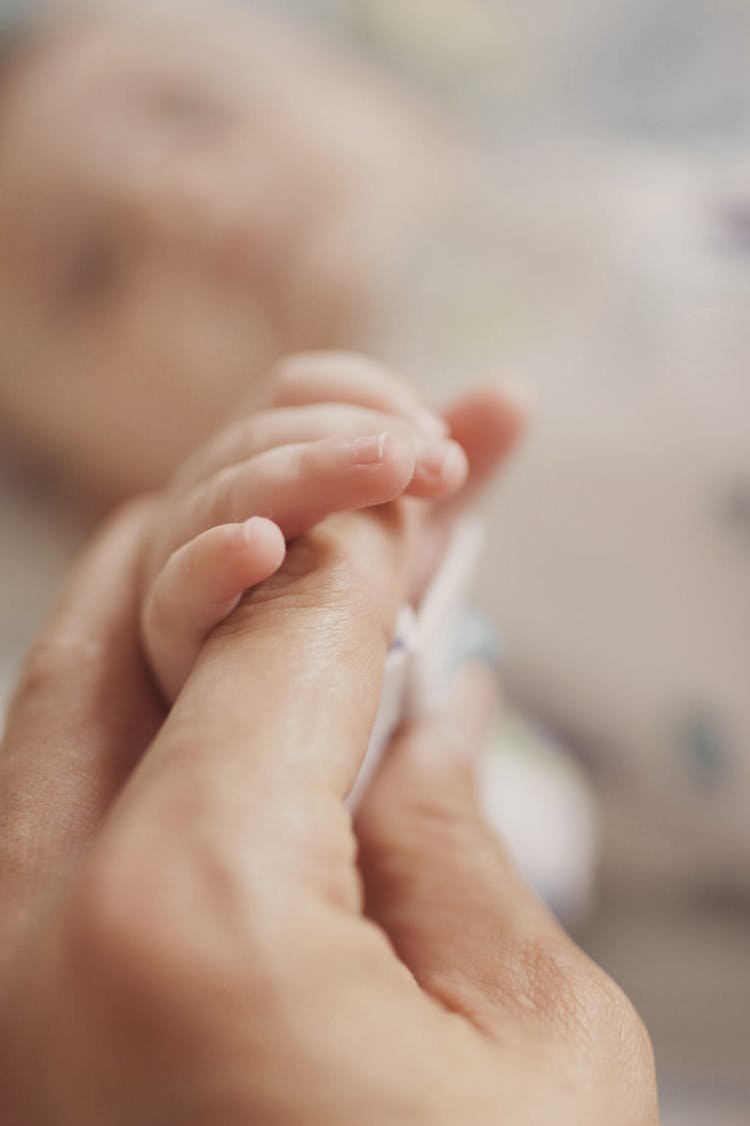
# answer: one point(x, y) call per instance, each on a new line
point(539, 983)
point(158, 615)
point(581, 1005)
point(400, 839)
point(40, 670)
point(605, 1008)
point(539, 980)
point(336, 580)
point(439, 819)
point(111, 945)
point(57, 658)
point(328, 855)
point(630, 1040)
point(126, 911)
point(154, 938)
point(618, 1045)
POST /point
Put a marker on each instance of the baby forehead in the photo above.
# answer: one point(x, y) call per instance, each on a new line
point(81, 84)
point(65, 94)
point(108, 53)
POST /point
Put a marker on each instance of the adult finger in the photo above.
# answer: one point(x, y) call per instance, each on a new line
point(430, 864)
point(84, 711)
point(268, 735)
point(475, 937)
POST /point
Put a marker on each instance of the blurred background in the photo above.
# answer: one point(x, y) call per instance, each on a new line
point(615, 283)
point(601, 257)
point(607, 267)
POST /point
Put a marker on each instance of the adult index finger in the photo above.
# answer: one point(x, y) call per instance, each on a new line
point(249, 774)
point(83, 713)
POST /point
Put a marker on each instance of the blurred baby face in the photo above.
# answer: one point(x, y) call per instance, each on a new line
point(179, 206)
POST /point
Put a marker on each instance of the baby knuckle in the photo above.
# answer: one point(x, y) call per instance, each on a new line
point(293, 371)
point(221, 500)
point(302, 465)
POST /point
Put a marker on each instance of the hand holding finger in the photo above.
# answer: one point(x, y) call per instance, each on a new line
point(208, 950)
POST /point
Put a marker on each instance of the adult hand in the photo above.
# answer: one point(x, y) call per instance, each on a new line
point(199, 945)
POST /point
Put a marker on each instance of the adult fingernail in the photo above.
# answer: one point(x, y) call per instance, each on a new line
point(370, 450)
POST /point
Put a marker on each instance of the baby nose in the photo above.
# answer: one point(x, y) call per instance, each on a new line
point(197, 215)
point(170, 206)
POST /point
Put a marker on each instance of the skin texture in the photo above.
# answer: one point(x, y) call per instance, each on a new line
point(186, 935)
point(192, 913)
point(193, 931)
point(171, 224)
point(284, 469)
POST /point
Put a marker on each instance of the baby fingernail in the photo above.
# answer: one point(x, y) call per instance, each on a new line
point(370, 450)
point(251, 526)
point(431, 423)
point(440, 459)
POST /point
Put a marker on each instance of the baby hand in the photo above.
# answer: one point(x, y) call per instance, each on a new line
point(327, 434)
